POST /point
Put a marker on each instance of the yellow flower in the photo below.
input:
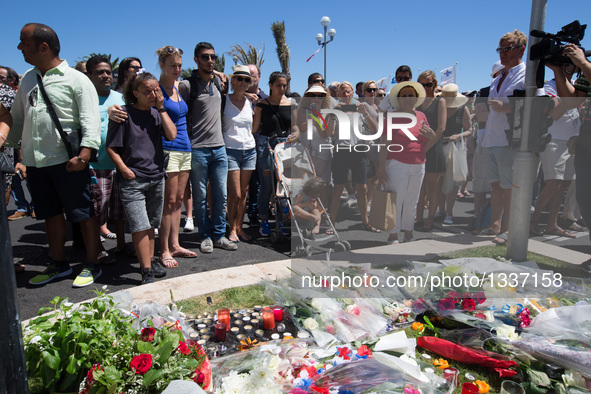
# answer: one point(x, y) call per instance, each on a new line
point(247, 344)
point(418, 326)
point(441, 363)
point(483, 387)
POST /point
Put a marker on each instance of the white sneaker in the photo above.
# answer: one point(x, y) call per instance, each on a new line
point(189, 225)
point(206, 246)
point(448, 220)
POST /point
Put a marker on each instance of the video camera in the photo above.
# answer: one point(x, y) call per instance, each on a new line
point(549, 49)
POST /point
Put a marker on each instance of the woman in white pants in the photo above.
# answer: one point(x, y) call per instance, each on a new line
point(402, 158)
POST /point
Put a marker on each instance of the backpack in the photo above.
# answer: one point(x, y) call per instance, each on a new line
point(193, 95)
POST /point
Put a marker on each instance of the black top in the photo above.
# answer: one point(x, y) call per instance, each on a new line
point(454, 123)
point(432, 113)
point(275, 119)
point(138, 140)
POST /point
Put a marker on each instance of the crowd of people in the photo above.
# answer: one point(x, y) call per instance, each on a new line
point(147, 146)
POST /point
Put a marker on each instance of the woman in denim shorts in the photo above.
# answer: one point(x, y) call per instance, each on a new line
point(135, 146)
point(240, 149)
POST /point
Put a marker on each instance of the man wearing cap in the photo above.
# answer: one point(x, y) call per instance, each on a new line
point(209, 163)
point(497, 154)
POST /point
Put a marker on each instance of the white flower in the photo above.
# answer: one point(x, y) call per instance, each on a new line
point(104, 287)
point(316, 304)
point(506, 331)
point(310, 324)
point(489, 315)
point(572, 378)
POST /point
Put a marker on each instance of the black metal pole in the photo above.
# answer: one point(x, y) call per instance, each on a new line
point(13, 371)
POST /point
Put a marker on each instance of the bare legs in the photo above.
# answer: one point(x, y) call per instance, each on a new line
point(174, 190)
point(238, 181)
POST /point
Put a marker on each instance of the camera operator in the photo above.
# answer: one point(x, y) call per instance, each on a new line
point(580, 89)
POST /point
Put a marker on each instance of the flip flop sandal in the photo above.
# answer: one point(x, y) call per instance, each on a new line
point(187, 254)
point(369, 227)
point(109, 236)
point(169, 262)
point(560, 232)
point(501, 239)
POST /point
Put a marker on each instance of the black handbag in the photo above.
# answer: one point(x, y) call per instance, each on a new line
point(72, 138)
point(6, 164)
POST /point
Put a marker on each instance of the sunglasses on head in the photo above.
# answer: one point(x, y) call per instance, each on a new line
point(173, 49)
point(428, 84)
point(371, 90)
point(245, 79)
point(206, 56)
point(402, 79)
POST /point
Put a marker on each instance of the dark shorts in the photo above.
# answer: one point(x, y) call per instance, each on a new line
point(56, 191)
point(343, 161)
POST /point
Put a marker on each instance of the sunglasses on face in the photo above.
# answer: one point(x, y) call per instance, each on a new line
point(428, 84)
point(506, 49)
point(245, 79)
point(371, 90)
point(313, 95)
point(382, 95)
point(135, 68)
point(402, 79)
point(319, 81)
point(206, 56)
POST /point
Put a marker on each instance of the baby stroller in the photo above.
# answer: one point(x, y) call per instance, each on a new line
point(293, 167)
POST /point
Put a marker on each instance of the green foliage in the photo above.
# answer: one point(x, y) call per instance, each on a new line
point(114, 63)
point(278, 29)
point(61, 349)
point(234, 298)
point(250, 55)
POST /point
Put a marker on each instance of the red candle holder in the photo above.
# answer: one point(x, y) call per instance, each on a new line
point(278, 313)
point(220, 332)
point(268, 318)
point(224, 317)
point(469, 388)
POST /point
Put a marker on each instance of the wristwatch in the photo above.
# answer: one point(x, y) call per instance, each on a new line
point(161, 109)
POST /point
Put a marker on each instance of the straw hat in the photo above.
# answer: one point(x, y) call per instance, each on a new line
point(316, 89)
point(399, 86)
point(453, 99)
point(241, 71)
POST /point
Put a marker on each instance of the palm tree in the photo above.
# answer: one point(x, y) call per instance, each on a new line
point(114, 63)
point(252, 55)
point(278, 29)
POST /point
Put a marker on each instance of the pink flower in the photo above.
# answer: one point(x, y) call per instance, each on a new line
point(354, 310)
point(446, 304)
point(408, 389)
point(419, 304)
point(330, 329)
point(297, 391)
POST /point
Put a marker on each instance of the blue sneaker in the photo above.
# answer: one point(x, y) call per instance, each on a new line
point(265, 229)
point(285, 229)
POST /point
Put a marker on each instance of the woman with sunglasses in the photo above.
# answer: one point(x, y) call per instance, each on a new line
point(315, 99)
point(178, 151)
point(240, 149)
point(346, 159)
point(404, 168)
point(128, 67)
point(436, 112)
point(273, 117)
point(370, 94)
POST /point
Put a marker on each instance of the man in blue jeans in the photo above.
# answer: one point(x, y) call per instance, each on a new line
point(202, 93)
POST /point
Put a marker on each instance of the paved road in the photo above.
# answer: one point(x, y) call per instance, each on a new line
point(30, 248)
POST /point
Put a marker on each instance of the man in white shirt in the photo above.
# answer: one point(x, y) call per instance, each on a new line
point(497, 154)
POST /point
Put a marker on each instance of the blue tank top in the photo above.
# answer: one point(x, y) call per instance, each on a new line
point(178, 114)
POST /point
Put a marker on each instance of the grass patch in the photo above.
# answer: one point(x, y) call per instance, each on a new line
point(497, 252)
point(235, 298)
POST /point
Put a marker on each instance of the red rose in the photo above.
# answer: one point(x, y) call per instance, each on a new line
point(454, 296)
point(321, 390)
point(419, 304)
point(446, 304)
point(481, 316)
point(468, 304)
point(183, 348)
point(199, 378)
point(141, 364)
point(147, 334)
point(479, 297)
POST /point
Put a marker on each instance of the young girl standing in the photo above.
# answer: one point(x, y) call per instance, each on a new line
point(135, 146)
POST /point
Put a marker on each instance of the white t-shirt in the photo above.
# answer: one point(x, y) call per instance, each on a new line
point(237, 126)
point(497, 122)
point(569, 124)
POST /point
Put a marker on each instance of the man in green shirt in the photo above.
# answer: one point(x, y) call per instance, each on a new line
point(59, 184)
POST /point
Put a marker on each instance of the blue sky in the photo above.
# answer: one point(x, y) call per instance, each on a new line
point(373, 37)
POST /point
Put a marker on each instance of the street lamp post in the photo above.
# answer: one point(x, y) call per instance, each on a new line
point(325, 21)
